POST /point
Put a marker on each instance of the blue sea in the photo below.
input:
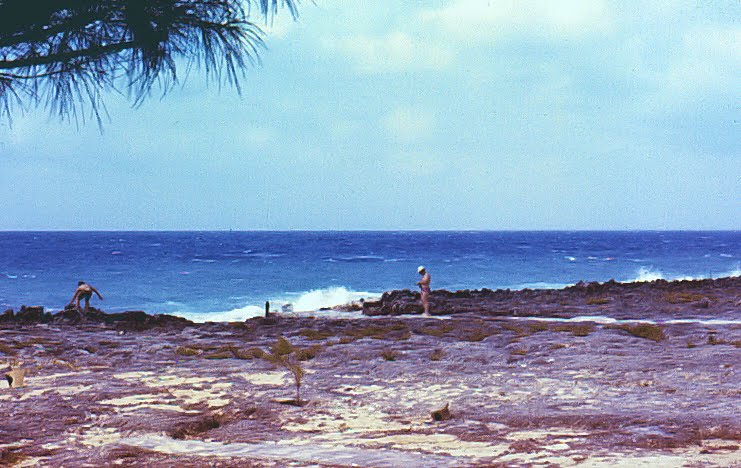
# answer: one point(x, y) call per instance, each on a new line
point(224, 276)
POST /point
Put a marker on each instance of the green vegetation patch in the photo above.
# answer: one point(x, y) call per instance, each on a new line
point(389, 355)
point(315, 335)
point(394, 331)
point(647, 331)
point(437, 331)
point(682, 298)
point(576, 329)
point(7, 350)
point(187, 351)
point(437, 355)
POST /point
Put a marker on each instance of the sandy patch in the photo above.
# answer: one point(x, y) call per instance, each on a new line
point(442, 444)
point(356, 419)
point(97, 437)
point(543, 434)
point(44, 378)
point(142, 401)
point(265, 378)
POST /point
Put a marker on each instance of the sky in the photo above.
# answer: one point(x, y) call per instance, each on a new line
point(420, 115)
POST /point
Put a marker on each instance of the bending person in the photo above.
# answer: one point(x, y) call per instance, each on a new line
point(84, 291)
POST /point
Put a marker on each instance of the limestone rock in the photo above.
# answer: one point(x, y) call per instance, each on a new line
point(15, 377)
point(443, 414)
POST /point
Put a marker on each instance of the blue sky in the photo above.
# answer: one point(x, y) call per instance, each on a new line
point(459, 114)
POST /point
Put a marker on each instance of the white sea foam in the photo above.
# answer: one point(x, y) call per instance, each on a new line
point(328, 297)
point(235, 315)
point(602, 320)
point(541, 285)
point(309, 301)
point(646, 274)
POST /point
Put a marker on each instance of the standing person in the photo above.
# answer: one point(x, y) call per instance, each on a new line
point(424, 287)
point(84, 291)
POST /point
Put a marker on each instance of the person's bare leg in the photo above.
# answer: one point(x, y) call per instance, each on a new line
point(87, 304)
point(426, 304)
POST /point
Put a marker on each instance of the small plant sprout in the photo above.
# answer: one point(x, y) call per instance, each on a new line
point(284, 354)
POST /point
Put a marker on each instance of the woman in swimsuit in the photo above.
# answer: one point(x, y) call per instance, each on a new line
point(424, 286)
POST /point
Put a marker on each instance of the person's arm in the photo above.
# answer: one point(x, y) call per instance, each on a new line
point(96, 292)
point(74, 296)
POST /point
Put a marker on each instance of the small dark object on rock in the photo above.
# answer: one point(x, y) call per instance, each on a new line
point(443, 414)
point(703, 303)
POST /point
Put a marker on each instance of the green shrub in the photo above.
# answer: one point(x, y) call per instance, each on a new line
point(647, 331)
point(187, 351)
point(389, 355)
point(437, 355)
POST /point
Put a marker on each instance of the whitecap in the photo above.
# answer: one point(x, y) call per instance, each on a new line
point(646, 274)
point(328, 297)
point(235, 315)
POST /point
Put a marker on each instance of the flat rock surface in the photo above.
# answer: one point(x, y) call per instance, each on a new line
point(530, 379)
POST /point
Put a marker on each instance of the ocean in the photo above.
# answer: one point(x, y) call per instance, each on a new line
point(225, 276)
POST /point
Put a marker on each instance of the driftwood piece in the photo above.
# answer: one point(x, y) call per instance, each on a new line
point(443, 414)
point(15, 377)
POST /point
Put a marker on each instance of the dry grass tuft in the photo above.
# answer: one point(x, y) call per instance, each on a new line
point(437, 331)
point(7, 350)
point(219, 355)
point(682, 298)
point(187, 351)
point(514, 328)
point(576, 329)
point(598, 300)
point(437, 355)
point(315, 335)
point(389, 355)
point(535, 327)
point(647, 331)
point(519, 351)
point(476, 335)
point(309, 353)
point(395, 331)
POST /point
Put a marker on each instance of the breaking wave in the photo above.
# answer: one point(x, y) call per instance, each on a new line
point(329, 297)
point(309, 301)
point(647, 274)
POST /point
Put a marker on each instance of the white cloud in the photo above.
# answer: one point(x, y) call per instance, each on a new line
point(259, 136)
point(396, 51)
point(474, 20)
point(408, 124)
point(710, 58)
point(418, 163)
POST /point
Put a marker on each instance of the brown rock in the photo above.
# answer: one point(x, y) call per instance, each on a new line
point(443, 414)
point(15, 377)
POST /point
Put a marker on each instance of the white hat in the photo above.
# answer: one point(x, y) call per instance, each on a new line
point(420, 269)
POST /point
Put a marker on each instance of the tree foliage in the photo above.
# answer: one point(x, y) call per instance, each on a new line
point(65, 54)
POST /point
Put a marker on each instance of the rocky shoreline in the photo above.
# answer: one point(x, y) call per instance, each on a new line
point(592, 375)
